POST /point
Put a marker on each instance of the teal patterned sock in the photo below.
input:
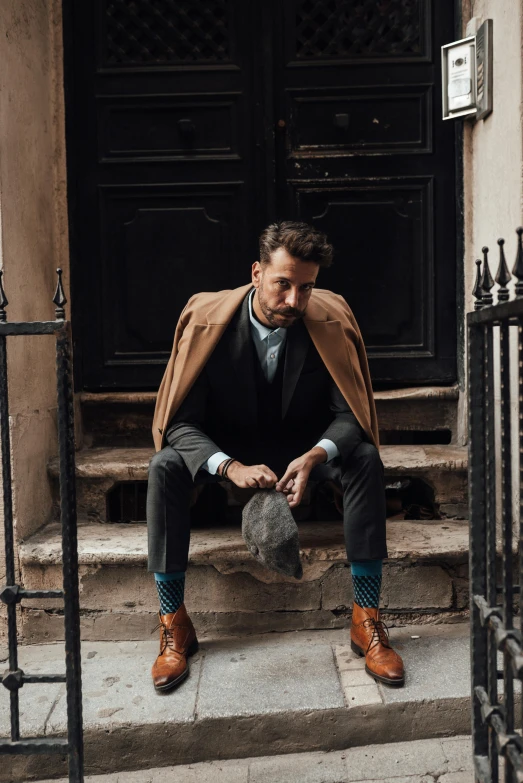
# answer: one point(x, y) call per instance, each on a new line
point(366, 580)
point(171, 589)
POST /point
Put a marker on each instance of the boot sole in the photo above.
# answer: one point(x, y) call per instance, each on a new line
point(378, 677)
point(192, 650)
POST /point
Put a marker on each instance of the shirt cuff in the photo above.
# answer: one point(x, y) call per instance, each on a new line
point(330, 447)
point(215, 460)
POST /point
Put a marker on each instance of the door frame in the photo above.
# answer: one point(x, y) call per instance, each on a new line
point(79, 314)
point(460, 225)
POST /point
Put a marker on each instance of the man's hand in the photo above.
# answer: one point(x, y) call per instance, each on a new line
point(253, 476)
point(295, 478)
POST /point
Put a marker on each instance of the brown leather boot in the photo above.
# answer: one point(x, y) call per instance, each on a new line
point(369, 637)
point(177, 642)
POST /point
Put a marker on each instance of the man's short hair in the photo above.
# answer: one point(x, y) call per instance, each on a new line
point(299, 240)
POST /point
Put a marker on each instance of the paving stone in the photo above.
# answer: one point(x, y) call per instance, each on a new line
point(407, 779)
point(434, 668)
point(36, 700)
point(379, 762)
point(299, 768)
point(457, 777)
point(239, 681)
point(117, 688)
point(362, 695)
point(346, 659)
point(351, 677)
point(205, 772)
point(458, 752)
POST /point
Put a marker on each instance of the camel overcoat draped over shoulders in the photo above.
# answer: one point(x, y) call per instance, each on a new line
point(331, 326)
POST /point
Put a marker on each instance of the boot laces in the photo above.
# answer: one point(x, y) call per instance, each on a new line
point(167, 637)
point(379, 633)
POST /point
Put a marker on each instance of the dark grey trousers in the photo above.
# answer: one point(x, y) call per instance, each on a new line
point(169, 494)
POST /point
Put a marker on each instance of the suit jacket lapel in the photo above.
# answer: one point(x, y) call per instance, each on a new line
point(242, 361)
point(295, 353)
point(332, 345)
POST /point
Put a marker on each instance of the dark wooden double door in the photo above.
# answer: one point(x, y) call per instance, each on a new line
point(194, 123)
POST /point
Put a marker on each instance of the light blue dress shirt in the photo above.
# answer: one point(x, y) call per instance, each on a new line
point(269, 344)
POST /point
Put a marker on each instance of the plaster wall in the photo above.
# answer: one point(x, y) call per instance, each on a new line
point(33, 235)
point(493, 164)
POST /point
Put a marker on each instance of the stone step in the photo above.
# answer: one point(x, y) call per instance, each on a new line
point(420, 411)
point(228, 591)
point(124, 418)
point(442, 468)
point(270, 695)
point(447, 760)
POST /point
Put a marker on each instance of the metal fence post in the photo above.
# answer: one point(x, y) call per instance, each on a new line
point(11, 593)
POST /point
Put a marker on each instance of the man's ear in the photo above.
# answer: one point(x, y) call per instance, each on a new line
point(256, 274)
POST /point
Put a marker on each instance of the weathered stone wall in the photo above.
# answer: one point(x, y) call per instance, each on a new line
point(493, 161)
point(33, 235)
point(493, 147)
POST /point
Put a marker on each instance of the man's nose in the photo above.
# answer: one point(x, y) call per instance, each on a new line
point(292, 298)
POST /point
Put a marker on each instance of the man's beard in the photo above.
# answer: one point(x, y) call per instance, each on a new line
point(271, 315)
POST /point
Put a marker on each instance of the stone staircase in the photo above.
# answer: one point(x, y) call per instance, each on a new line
point(251, 693)
point(425, 577)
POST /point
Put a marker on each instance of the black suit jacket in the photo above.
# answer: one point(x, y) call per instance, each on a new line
point(220, 411)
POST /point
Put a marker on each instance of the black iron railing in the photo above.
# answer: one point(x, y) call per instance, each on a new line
point(12, 593)
point(493, 608)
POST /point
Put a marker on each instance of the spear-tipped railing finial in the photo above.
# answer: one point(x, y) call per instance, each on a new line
point(503, 276)
point(59, 298)
point(487, 281)
point(3, 299)
point(477, 291)
point(518, 266)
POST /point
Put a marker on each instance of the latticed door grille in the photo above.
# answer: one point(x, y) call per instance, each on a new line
point(359, 28)
point(160, 32)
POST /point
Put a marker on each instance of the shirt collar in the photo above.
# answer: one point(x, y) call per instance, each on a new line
point(261, 330)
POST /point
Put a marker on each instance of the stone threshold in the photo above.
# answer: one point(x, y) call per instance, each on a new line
point(276, 694)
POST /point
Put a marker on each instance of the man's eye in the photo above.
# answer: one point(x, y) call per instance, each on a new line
point(282, 282)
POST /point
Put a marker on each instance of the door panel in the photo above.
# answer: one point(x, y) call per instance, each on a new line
point(165, 186)
point(362, 154)
point(397, 324)
point(157, 240)
point(342, 121)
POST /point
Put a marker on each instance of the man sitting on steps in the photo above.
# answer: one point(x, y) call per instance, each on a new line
point(268, 385)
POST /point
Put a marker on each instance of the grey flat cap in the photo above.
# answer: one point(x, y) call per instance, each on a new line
point(271, 534)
